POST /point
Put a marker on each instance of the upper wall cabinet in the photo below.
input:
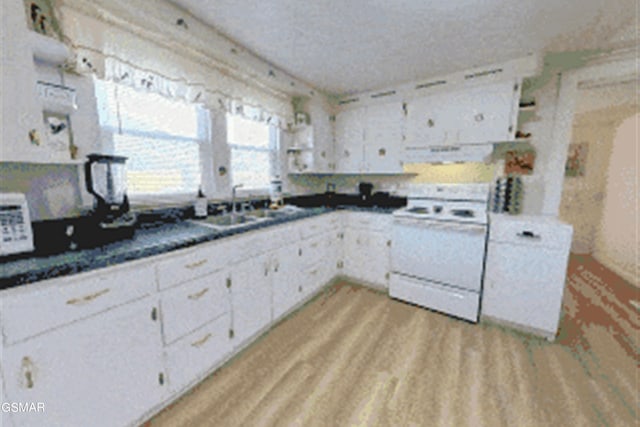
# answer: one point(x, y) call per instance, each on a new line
point(369, 139)
point(35, 123)
point(474, 115)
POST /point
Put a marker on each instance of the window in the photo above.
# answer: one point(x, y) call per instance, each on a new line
point(254, 152)
point(163, 140)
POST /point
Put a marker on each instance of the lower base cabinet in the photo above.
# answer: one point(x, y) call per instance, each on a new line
point(194, 355)
point(366, 256)
point(103, 371)
point(250, 297)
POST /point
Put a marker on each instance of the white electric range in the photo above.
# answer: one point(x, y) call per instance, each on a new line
point(439, 245)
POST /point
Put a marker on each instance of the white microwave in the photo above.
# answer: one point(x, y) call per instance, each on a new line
point(15, 225)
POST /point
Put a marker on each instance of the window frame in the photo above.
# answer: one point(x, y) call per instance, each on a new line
point(273, 150)
point(203, 140)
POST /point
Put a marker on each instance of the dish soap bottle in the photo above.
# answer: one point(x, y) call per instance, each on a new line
point(200, 205)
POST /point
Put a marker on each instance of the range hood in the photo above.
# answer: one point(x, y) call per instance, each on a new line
point(449, 153)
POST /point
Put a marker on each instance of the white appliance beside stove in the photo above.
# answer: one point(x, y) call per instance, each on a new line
point(439, 245)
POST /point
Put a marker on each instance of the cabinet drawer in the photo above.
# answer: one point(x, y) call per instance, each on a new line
point(314, 226)
point(191, 305)
point(369, 221)
point(192, 356)
point(63, 300)
point(312, 250)
point(534, 232)
point(189, 264)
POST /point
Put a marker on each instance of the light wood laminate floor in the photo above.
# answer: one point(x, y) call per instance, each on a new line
point(353, 356)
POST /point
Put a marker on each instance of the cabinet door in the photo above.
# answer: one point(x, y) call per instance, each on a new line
point(383, 138)
point(350, 140)
point(192, 356)
point(103, 371)
point(427, 121)
point(377, 262)
point(485, 113)
point(286, 279)
point(250, 297)
point(355, 253)
point(524, 285)
point(5, 417)
point(367, 256)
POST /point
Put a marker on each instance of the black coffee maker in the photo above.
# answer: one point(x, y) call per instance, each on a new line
point(105, 178)
point(365, 189)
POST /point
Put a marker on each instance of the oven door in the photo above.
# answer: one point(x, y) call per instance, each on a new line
point(443, 252)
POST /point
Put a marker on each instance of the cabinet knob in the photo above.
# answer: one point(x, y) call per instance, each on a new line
point(430, 123)
point(299, 288)
point(479, 117)
point(389, 243)
point(154, 314)
point(231, 333)
point(161, 378)
point(228, 282)
point(300, 252)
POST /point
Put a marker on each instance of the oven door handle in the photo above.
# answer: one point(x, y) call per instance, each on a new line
point(441, 225)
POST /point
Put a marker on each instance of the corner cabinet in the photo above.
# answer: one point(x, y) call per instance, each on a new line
point(369, 139)
point(105, 371)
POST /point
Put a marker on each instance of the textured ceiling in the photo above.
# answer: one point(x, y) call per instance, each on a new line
point(348, 46)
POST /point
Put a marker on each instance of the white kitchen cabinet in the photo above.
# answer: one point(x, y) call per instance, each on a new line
point(194, 355)
point(23, 130)
point(6, 419)
point(472, 115)
point(428, 122)
point(103, 371)
point(286, 279)
point(383, 138)
point(33, 310)
point(369, 139)
point(250, 297)
point(366, 246)
point(367, 256)
point(486, 113)
point(525, 273)
point(349, 128)
point(189, 306)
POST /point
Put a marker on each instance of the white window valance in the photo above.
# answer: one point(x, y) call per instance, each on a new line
point(125, 56)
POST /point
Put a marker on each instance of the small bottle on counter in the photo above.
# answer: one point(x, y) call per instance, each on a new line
point(200, 205)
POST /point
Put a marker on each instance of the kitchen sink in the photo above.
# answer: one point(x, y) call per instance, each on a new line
point(274, 213)
point(238, 220)
point(228, 221)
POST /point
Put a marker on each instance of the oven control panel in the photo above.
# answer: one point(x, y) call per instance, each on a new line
point(15, 225)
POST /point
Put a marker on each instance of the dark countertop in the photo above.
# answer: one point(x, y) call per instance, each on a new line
point(149, 239)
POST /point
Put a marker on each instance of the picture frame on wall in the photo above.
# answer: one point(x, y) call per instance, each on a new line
point(519, 162)
point(41, 18)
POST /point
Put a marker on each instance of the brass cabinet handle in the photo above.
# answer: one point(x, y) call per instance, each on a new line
point(154, 314)
point(196, 264)
point(161, 378)
point(201, 341)
point(27, 368)
point(87, 298)
point(199, 294)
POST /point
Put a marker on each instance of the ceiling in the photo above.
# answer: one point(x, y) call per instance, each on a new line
point(351, 46)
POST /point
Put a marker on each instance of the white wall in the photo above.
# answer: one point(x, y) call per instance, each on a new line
point(618, 244)
point(582, 196)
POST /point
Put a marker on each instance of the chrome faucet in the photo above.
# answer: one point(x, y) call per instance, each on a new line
point(233, 198)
